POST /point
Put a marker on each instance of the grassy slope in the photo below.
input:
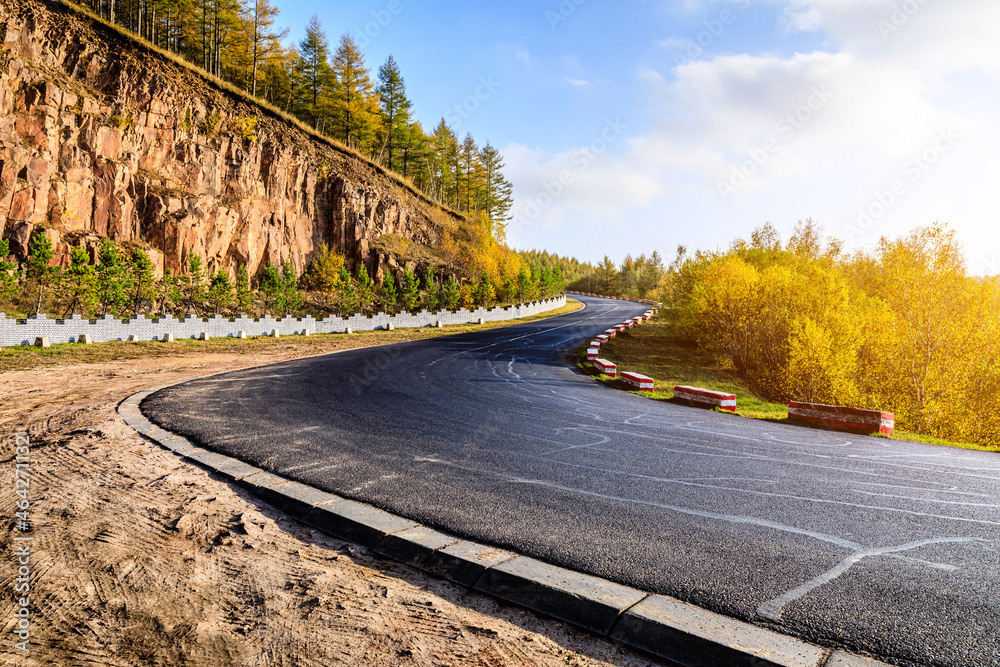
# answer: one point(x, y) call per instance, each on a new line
point(652, 350)
point(24, 357)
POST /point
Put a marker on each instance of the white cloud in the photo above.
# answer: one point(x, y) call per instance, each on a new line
point(577, 83)
point(887, 97)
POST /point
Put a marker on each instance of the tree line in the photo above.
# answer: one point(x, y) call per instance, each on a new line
point(902, 328)
point(120, 281)
point(642, 277)
point(331, 90)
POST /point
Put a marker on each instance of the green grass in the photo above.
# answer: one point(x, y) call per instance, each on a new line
point(653, 350)
point(27, 357)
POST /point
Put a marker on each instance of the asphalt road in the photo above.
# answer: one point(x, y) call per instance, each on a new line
point(885, 547)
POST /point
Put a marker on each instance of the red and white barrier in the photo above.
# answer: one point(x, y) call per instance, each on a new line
point(640, 382)
point(603, 338)
point(840, 418)
point(593, 353)
point(606, 367)
point(705, 398)
point(611, 333)
point(620, 327)
point(595, 343)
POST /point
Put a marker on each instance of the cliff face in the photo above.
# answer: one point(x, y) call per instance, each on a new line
point(100, 137)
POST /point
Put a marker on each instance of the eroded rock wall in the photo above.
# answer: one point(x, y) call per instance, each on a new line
point(100, 136)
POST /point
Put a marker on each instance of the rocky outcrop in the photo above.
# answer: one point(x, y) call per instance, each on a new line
point(102, 136)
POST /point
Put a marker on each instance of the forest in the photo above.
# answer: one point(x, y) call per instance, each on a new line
point(329, 88)
point(902, 327)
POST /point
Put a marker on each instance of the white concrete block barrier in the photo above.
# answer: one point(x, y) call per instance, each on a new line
point(705, 398)
point(603, 338)
point(104, 329)
point(841, 418)
point(593, 353)
point(606, 367)
point(640, 382)
point(611, 333)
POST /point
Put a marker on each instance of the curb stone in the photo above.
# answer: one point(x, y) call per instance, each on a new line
point(652, 624)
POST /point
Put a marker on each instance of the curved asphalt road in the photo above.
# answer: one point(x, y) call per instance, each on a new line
point(887, 547)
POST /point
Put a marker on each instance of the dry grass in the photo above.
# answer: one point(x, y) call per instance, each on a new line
point(652, 349)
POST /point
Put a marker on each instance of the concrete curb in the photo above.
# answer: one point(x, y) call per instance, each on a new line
point(653, 624)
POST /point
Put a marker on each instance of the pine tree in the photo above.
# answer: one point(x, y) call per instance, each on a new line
point(8, 277)
point(194, 285)
point(292, 298)
point(313, 78)
point(409, 291)
point(355, 105)
point(143, 280)
point(450, 294)
point(394, 109)
point(220, 291)
point(271, 287)
point(244, 295)
point(497, 191)
point(347, 298)
point(432, 292)
point(366, 291)
point(265, 42)
point(79, 283)
point(387, 294)
point(113, 285)
point(37, 266)
point(471, 178)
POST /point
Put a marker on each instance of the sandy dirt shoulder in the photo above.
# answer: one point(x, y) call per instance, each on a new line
point(139, 558)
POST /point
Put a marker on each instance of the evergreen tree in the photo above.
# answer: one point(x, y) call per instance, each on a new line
point(142, 279)
point(409, 291)
point(271, 287)
point(387, 295)
point(37, 266)
point(8, 277)
point(355, 105)
point(347, 298)
point(79, 283)
point(292, 298)
point(451, 293)
point(432, 292)
point(313, 78)
point(194, 285)
point(113, 285)
point(497, 192)
point(265, 41)
point(366, 291)
point(524, 285)
point(394, 109)
point(471, 177)
point(244, 295)
point(220, 291)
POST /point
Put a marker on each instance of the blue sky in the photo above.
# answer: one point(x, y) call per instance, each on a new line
point(641, 125)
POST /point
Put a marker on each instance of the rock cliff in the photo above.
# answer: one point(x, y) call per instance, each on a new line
point(102, 136)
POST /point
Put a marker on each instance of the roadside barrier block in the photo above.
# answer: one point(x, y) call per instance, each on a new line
point(43, 342)
point(611, 333)
point(593, 353)
point(603, 338)
point(606, 367)
point(840, 418)
point(705, 398)
point(620, 327)
point(204, 336)
point(640, 382)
